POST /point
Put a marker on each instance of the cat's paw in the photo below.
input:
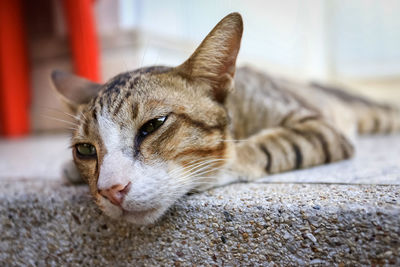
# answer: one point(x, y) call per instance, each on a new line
point(71, 174)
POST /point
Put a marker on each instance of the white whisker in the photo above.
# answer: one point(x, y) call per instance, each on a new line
point(200, 164)
point(83, 115)
point(61, 120)
point(64, 113)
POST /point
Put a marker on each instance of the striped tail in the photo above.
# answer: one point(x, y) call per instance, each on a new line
point(372, 117)
point(377, 119)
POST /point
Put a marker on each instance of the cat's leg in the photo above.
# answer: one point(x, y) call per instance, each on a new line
point(300, 145)
point(70, 173)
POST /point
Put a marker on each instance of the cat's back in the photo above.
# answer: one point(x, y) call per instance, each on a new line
point(262, 101)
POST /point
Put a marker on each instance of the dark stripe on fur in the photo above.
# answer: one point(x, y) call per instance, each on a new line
point(204, 152)
point(118, 108)
point(200, 124)
point(288, 117)
point(158, 144)
point(307, 134)
point(101, 103)
point(135, 111)
point(309, 118)
point(264, 149)
point(345, 145)
point(121, 102)
point(348, 97)
point(134, 83)
point(94, 113)
point(86, 128)
point(325, 146)
point(296, 150)
point(116, 83)
point(298, 154)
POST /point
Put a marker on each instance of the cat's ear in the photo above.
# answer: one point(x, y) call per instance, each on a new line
point(215, 58)
point(74, 90)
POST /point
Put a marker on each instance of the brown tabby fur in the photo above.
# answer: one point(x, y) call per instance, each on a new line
point(221, 127)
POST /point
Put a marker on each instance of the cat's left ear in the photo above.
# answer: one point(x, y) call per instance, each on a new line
point(74, 90)
point(215, 58)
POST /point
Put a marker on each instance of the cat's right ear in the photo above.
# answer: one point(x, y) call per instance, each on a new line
point(74, 90)
point(215, 58)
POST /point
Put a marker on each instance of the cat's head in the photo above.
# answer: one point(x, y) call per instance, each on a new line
point(147, 137)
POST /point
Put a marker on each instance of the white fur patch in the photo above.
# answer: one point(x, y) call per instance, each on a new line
point(115, 163)
point(152, 190)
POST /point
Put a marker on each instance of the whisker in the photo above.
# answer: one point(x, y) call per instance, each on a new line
point(75, 117)
point(83, 115)
point(193, 163)
point(200, 165)
point(189, 183)
point(200, 162)
point(60, 120)
point(198, 176)
point(70, 129)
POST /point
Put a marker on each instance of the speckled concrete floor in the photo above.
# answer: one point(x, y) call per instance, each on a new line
point(287, 219)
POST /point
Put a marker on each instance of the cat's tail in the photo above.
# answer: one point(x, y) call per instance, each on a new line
point(372, 117)
point(377, 118)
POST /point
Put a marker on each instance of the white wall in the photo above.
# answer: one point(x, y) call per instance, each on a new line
point(314, 38)
point(366, 37)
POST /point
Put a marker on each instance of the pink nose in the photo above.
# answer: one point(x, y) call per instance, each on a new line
point(116, 193)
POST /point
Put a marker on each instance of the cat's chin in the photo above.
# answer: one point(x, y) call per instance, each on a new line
point(143, 217)
point(135, 217)
point(139, 217)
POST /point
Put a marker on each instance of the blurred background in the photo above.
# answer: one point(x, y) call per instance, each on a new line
point(354, 43)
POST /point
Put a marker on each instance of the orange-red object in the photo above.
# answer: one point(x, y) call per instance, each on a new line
point(83, 38)
point(14, 71)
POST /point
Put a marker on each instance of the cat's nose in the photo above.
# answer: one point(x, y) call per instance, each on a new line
point(116, 193)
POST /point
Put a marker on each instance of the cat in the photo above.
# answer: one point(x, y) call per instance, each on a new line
point(147, 137)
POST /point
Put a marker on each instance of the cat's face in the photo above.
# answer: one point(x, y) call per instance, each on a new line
point(147, 137)
point(188, 129)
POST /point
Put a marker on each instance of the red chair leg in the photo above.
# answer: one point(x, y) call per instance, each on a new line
point(14, 71)
point(83, 38)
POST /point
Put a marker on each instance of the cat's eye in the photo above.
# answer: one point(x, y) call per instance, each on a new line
point(151, 126)
point(85, 151)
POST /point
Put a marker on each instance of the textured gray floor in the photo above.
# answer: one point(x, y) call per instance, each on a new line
point(45, 222)
point(237, 224)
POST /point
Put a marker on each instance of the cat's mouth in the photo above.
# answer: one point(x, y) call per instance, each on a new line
point(132, 215)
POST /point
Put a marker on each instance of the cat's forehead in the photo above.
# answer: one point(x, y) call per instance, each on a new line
point(132, 79)
point(135, 86)
point(146, 91)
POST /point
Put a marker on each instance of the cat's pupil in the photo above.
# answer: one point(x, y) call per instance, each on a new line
point(152, 125)
point(85, 150)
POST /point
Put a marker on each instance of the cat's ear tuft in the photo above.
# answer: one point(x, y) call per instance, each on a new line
point(215, 59)
point(74, 90)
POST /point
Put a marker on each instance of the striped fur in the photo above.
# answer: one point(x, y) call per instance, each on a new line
point(223, 125)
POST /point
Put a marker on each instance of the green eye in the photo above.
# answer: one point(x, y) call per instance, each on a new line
point(151, 126)
point(85, 151)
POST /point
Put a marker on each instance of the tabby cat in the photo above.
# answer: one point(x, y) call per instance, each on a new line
point(147, 137)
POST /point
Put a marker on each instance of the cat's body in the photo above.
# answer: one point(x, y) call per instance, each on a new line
point(147, 137)
point(299, 125)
